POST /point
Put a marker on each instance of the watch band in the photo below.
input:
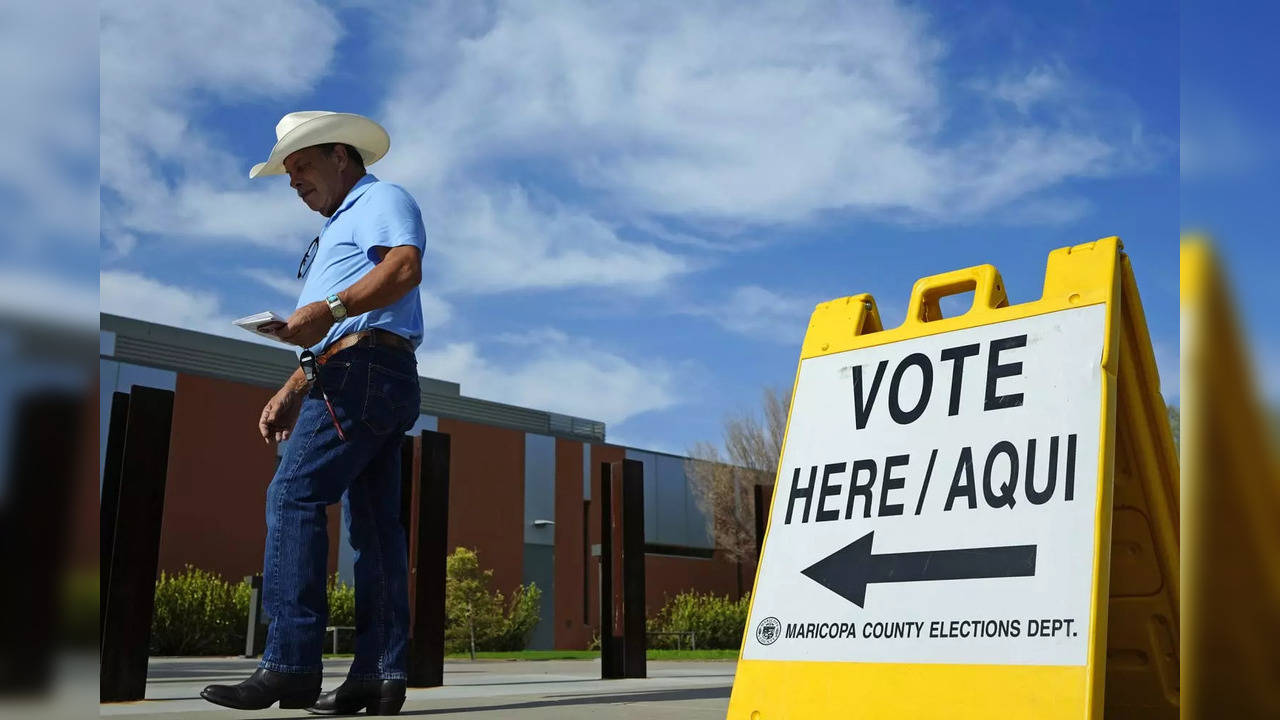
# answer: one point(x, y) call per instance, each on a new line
point(336, 307)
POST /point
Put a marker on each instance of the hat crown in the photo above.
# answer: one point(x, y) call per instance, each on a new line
point(294, 119)
point(308, 128)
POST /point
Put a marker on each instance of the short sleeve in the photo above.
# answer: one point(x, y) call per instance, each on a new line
point(391, 220)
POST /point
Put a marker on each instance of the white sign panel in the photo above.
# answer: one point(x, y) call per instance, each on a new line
point(935, 501)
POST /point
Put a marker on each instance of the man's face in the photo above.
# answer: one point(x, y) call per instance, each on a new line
point(317, 177)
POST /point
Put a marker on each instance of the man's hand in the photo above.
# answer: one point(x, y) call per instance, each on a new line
point(307, 325)
point(280, 414)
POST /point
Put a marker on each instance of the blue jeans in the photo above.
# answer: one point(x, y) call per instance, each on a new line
point(374, 391)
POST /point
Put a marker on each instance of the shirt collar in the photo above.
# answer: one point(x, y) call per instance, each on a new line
point(352, 195)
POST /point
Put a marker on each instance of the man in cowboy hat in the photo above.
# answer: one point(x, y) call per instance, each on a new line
point(360, 317)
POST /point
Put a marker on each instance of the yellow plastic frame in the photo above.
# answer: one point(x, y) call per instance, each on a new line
point(1076, 276)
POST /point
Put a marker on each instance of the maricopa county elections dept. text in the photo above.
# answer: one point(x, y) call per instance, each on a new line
point(943, 629)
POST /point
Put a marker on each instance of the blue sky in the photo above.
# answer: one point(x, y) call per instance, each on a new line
point(1231, 158)
point(631, 210)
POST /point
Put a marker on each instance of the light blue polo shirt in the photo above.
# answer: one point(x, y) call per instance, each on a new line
point(374, 214)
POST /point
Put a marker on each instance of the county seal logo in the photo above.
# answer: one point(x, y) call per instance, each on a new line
point(768, 631)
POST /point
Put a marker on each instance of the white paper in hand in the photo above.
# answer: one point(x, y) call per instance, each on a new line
point(263, 324)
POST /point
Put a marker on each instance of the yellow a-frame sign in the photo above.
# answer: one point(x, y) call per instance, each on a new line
point(974, 516)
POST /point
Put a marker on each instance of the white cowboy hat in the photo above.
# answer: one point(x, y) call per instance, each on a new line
point(298, 130)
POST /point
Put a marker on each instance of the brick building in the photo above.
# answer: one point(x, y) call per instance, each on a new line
point(521, 487)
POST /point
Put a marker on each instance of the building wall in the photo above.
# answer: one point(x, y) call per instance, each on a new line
point(486, 497)
point(667, 576)
point(539, 537)
point(114, 377)
point(572, 552)
point(671, 514)
point(219, 469)
point(603, 454)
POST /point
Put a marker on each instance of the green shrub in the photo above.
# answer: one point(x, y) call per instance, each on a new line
point(717, 621)
point(472, 607)
point(198, 613)
point(342, 603)
point(521, 618)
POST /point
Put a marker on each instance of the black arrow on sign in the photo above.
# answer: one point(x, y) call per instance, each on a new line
point(849, 570)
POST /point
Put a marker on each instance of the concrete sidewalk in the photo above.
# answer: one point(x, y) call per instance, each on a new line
point(482, 690)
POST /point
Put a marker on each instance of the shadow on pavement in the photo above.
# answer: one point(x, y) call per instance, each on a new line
point(557, 680)
point(571, 700)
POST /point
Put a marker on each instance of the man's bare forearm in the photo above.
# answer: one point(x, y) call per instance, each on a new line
point(296, 384)
point(398, 271)
point(391, 279)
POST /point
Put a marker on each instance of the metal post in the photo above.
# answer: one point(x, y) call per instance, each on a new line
point(110, 500)
point(135, 551)
point(763, 494)
point(611, 665)
point(633, 600)
point(255, 615)
point(429, 540)
point(34, 535)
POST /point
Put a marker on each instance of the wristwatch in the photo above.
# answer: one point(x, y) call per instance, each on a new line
point(336, 307)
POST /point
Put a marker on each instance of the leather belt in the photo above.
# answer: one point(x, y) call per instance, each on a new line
point(365, 338)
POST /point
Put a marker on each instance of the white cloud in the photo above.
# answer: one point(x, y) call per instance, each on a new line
point(435, 311)
point(1042, 84)
point(576, 145)
point(560, 373)
point(37, 296)
point(165, 64)
point(165, 174)
point(501, 240)
point(533, 338)
point(286, 285)
point(761, 114)
point(1056, 210)
point(268, 216)
point(761, 313)
point(135, 295)
point(49, 78)
point(662, 445)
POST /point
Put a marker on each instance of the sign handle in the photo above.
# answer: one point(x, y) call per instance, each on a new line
point(983, 280)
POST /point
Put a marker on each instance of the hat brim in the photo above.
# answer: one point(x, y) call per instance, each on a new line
point(365, 135)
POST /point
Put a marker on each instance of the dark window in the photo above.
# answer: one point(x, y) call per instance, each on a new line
point(586, 560)
point(681, 550)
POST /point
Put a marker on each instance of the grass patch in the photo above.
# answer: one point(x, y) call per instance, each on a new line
point(692, 654)
point(528, 655)
point(580, 655)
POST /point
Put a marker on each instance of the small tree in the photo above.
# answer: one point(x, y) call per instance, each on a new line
point(722, 484)
point(468, 601)
point(478, 617)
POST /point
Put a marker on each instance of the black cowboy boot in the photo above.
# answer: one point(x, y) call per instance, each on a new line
point(380, 697)
point(264, 688)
